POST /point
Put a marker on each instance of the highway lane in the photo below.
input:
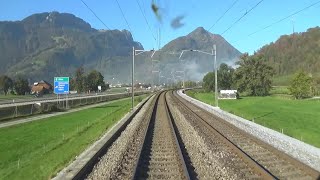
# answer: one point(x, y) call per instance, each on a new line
point(50, 97)
point(54, 99)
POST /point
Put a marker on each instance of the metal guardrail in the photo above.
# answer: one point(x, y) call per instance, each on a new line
point(20, 102)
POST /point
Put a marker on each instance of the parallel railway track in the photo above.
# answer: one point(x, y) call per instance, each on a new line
point(264, 159)
point(152, 146)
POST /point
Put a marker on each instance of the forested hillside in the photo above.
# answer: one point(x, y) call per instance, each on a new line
point(291, 53)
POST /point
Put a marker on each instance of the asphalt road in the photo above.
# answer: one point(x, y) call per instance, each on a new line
point(51, 99)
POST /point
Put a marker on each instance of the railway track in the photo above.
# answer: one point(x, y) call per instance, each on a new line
point(161, 156)
point(147, 149)
point(159, 144)
point(264, 160)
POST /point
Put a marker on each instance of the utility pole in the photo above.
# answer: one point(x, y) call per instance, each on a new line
point(292, 21)
point(184, 79)
point(132, 80)
point(159, 36)
point(215, 75)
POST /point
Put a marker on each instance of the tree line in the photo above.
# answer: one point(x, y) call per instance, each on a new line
point(253, 77)
point(19, 86)
point(82, 82)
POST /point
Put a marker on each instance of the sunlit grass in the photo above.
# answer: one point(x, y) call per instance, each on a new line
point(298, 118)
point(38, 150)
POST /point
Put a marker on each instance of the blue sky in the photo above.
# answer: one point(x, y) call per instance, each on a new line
point(197, 13)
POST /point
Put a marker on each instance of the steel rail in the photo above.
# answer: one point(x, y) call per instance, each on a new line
point(294, 162)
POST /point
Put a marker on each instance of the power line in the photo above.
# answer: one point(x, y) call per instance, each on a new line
point(146, 20)
point(223, 15)
point(95, 14)
point(297, 12)
point(246, 13)
point(143, 6)
point(124, 17)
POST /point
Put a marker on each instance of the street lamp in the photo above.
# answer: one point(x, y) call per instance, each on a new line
point(213, 53)
point(136, 52)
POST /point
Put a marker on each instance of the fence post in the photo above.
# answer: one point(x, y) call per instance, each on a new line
point(31, 108)
point(16, 111)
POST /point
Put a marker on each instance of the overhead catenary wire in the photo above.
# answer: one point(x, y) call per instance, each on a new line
point(95, 14)
point(276, 22)
point(246, 13)
point(223, 14)
point(146, 20)
point(125, 19)
point(143, 6)
point(280, 20)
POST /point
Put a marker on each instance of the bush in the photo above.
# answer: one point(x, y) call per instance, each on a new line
point(300, 85)
point(139, 98)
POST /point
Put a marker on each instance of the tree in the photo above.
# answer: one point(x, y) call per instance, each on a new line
point(72, 84)
point(190, 84)
point(21, 86)
point(253, 75)
point(300, 86)
point(225, 78)
point(225, 74)
point(208, 81)
point(95, 79)
point(6, 83)
point(79, 80)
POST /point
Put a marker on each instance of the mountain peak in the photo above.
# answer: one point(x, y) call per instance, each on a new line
point(57, 19)
point(202, 39)
point(199, 31)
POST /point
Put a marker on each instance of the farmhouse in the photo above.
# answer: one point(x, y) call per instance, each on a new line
point(41, 87)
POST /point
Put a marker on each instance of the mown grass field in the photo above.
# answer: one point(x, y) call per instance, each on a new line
point(298, 118)
point(38, 150)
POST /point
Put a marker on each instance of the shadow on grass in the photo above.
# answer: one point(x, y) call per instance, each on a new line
point(106, 106)
point(264, 115)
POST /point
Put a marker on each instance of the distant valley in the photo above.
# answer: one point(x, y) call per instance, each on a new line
point(45, 45)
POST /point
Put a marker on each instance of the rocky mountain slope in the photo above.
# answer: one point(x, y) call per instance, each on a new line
point(46, 45)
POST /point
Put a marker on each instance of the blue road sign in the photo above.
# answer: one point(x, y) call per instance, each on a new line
point(61, 85)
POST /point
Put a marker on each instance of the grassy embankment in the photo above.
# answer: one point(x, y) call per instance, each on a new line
point(39, 149)
point(11, 97)
point(298, 118)
point(117, 90)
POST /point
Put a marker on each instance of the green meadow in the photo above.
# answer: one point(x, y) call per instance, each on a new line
point(39, 149)
point(299, 119)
